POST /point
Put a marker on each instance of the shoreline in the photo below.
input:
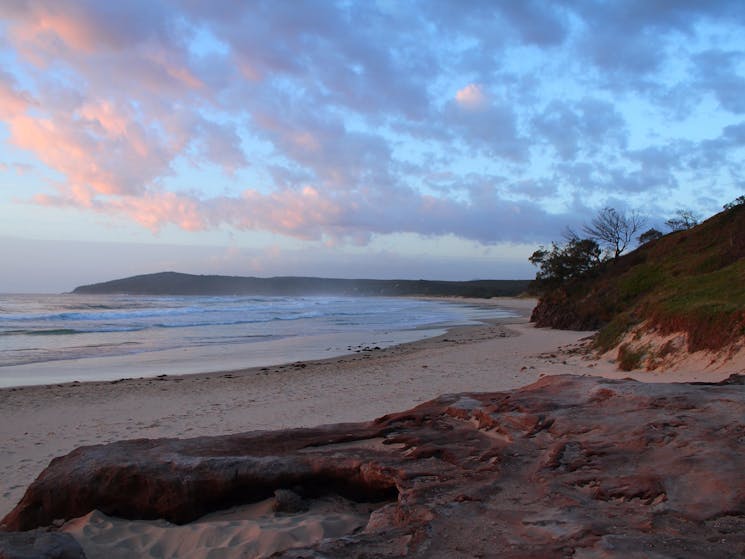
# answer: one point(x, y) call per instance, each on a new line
point(42, 422)
point(207, 356)
point(522, 308)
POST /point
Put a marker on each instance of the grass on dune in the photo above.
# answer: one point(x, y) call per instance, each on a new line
point(691, 281)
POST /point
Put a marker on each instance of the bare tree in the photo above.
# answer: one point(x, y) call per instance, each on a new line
point(613, 231)
point(685, 220)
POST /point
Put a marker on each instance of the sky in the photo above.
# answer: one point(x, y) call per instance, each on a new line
point(411, 139)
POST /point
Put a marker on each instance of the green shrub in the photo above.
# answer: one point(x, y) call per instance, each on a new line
point(609, 336)
point(630, 359)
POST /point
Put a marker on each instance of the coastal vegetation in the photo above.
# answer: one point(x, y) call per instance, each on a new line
point(689, 282)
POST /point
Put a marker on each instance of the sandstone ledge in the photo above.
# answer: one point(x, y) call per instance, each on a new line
point(567, 467)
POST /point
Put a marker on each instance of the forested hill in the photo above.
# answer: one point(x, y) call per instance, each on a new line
point(690, 281)
point(173, 283)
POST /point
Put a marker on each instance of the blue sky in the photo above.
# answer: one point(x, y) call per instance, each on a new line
point(415, 139)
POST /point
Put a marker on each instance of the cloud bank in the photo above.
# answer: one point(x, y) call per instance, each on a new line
point(337, 121)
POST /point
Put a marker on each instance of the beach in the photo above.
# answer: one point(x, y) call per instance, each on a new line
point(42, 422)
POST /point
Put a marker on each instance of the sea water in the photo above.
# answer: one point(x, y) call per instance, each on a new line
point(61, 338)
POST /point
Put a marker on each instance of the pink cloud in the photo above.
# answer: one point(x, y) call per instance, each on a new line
point(115, 144)
point(107, 116)
point(118, 100)
point(297, 213)
point(155, 210)
point(93, 154)
point(304, 213)
point(472, 97)
point(48, 24)
point(86, 26)
point(334, 110)
point(128, 100)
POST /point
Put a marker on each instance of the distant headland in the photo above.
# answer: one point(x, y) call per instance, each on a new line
point(174, 283)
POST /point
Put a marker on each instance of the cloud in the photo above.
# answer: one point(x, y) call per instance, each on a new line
point(153, 211)
point(723, 74)
point(586, 126)
point(220, 144)
point(471, 97)
point(337, 120)
point(487, 127)
point(92, 153)
point(85, 26)
point(12, 101)
point(630, 39)
point(532, 22)
point(17, 167)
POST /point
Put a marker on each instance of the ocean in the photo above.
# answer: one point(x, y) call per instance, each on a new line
point(46, 339)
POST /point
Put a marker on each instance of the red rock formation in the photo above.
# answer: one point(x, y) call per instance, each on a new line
point(567, 467)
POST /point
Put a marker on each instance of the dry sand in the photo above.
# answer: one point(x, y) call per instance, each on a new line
point(41, 422)
point(251, 531)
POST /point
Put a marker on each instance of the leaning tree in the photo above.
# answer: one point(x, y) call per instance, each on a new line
point(613, 231)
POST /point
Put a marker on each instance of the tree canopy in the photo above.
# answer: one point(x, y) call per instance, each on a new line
point(577, 258)
point(649, 235)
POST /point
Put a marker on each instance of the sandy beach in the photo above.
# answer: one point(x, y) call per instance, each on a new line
point(42, 422)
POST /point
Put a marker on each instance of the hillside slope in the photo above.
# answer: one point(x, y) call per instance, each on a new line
point(688, 283)
point(173, 283)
